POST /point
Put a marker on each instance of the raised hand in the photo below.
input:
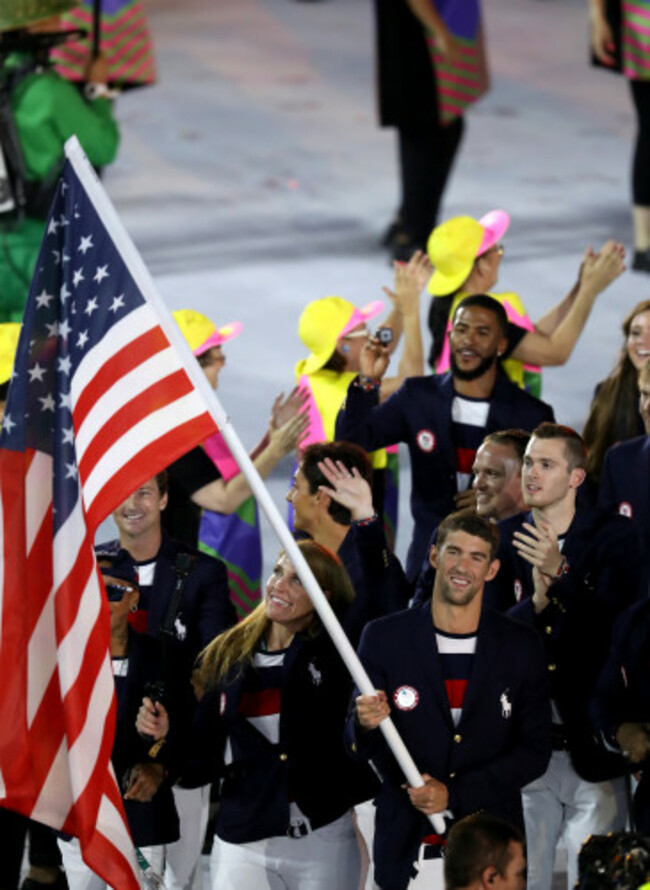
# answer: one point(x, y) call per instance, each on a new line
point(284, 409)
point(539, 547)
point(348, 488)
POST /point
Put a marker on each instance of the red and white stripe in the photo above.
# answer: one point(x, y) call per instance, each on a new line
point(134, 412)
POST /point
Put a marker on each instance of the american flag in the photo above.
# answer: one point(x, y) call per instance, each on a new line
point(98, 402)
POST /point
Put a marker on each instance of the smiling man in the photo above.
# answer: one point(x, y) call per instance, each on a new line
point(184, 602)
point(201, 608)
point(572, 569)
point(467, 691)
point(443, 419)
point(497, 474)
point(495, 493)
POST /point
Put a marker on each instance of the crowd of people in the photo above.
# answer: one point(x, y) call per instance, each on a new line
point(510, 651)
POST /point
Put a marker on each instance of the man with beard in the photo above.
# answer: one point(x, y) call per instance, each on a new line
point(443, 419)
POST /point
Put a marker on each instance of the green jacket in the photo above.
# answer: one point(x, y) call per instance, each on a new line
point(47, 111)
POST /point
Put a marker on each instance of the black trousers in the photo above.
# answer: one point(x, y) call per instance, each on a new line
point(426, 155)
point(43, 848)
point(641, 158)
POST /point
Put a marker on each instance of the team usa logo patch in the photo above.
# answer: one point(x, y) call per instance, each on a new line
point(222, 704)
point(518, 590)
point(625, 509)
point(426, 441)
point(406, 698)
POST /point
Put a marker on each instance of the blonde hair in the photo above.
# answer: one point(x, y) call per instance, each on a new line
point(229, 654)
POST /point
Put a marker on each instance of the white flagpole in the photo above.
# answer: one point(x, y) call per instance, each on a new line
point(145, 283)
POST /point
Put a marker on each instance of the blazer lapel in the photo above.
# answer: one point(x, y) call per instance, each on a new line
point(487, 648)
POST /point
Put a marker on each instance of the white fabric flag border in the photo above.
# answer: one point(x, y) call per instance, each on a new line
point(143, 279)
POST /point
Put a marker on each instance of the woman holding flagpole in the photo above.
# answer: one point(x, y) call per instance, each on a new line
point(269, 727)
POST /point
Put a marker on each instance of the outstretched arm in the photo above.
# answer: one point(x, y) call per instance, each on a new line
point(556, 334)
point(226, 497)
point(410, 279)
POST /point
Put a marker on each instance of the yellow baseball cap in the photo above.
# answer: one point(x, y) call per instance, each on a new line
point(9, 334)
point(322, 324)
point(201, 333)
point(455, 244)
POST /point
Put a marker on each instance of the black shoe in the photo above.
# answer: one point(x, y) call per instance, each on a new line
point(641, 260)
point(391, 233)
point(403, 249)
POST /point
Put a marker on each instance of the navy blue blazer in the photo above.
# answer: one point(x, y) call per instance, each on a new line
point(625, 481)
point(309, 764)
point(419, 413)
point(156, 821)
point(622, 694)
point(205, 608)
point(376, 573)
point(501, 743)
point(605, 575)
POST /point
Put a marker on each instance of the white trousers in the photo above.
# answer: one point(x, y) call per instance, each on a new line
point(183, 870)
point(430, 876)
point(562, 806)
point(364, 815)
point(325, 859)
point(80, 877)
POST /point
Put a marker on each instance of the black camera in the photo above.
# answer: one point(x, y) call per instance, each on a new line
point(384, 335)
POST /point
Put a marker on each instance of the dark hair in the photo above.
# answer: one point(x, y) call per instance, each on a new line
point(467, 521)
point(613, 412)
point(350, 455)
point(438, 321)
point(475, 843)
point(336, 362)
point(574, 446)
point(485, 301)
point(516, 439)
point(162, 481)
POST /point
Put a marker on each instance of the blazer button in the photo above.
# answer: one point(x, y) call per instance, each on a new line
point(457, 738)
point(452, 775)
point(284, 757)
point(552, 667)
point(548, 629)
